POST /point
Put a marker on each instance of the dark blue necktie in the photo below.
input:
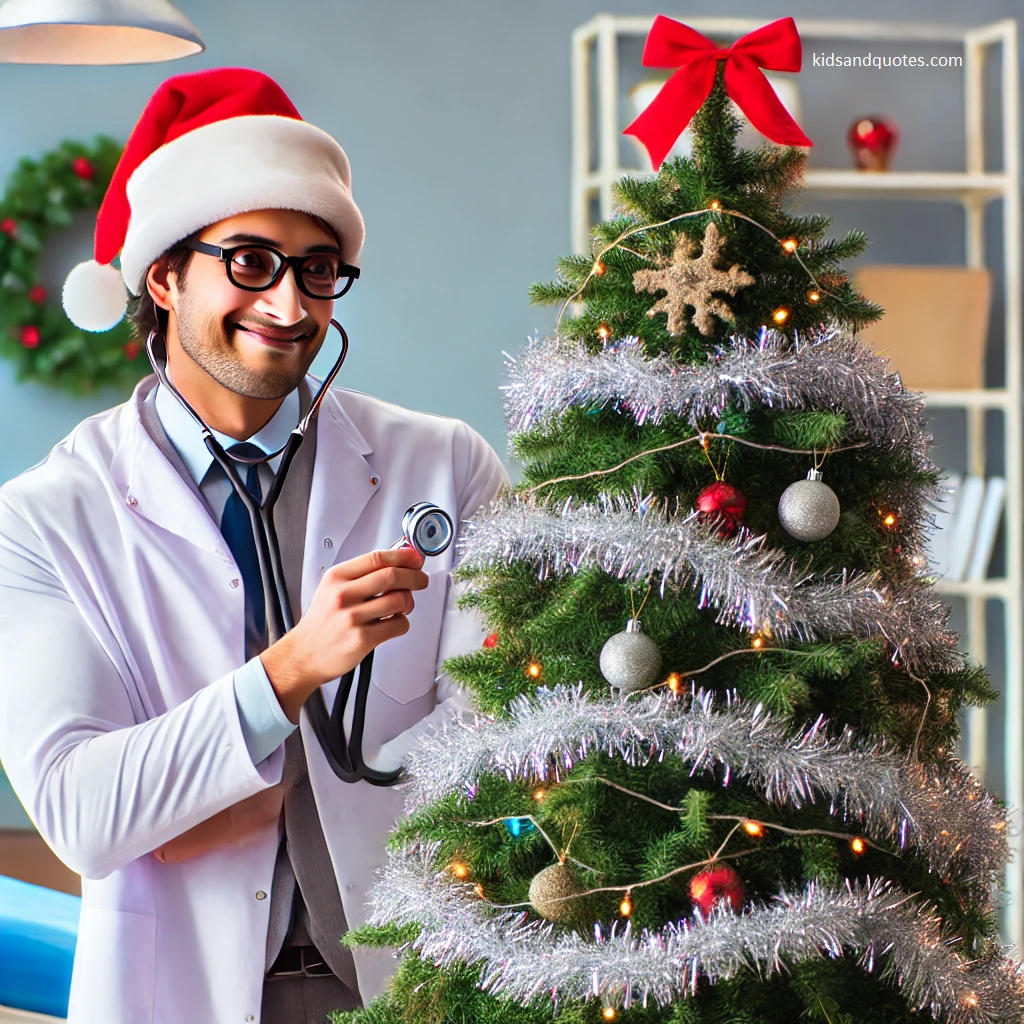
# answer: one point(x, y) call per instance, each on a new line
point(236, 526)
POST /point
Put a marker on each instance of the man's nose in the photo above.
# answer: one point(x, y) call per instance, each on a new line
point(283, 301)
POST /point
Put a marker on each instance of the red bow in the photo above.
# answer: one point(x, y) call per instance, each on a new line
point(671, 44)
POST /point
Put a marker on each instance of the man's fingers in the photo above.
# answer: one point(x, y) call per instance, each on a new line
point(383, 581)
point(398, 602)
point(375, 561)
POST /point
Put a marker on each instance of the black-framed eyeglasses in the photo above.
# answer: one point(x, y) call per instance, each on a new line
point(255, 268)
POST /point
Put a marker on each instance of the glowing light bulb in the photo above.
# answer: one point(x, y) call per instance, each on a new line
point(609, 1013)
point(674, 682)
point(604, 332)
point(533, 670)
point(889, 519)
point(757, 643)
point(479, 890)
point(781, 315)
point(790, 244)
point(460, 870)
point(538, 795)
point(753, 828)
point(970, 999)
point(599, 268)
point(626, 906)
point(814, 296)
point(714, 205)
point(858, 845)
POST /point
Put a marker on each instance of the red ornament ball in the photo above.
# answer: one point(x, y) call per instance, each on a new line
point(723, 504)
point(83, 168)
point(873, 141)
point(29, 336)
point(37, 294)
point(491, 640)
point(8, 226)
point(131, 349)
point(716, 883)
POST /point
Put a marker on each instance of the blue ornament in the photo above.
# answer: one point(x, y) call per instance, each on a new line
point(518, 826)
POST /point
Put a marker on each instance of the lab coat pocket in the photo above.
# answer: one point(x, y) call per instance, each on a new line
point(115, 960)
point(406, 668)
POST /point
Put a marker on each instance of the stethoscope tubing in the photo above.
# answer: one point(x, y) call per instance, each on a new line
point(345, 759)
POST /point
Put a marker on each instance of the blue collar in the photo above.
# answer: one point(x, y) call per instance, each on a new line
point(187, 437)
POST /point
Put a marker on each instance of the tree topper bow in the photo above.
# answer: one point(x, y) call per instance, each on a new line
point(776, 47)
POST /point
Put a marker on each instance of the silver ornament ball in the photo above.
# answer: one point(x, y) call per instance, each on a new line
point(809, 509)
point(630, 660)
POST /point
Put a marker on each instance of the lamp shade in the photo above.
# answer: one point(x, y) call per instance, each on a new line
point(95, 32)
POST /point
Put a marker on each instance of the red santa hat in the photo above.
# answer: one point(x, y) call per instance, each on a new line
point(209, 145)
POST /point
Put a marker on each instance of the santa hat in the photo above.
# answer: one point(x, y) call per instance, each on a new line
point(209, 145)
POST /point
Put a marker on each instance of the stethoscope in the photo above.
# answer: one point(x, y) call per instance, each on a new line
point(424, 526)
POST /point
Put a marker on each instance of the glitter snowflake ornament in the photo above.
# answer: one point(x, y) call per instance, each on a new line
point(691, 280)
point(809, 509)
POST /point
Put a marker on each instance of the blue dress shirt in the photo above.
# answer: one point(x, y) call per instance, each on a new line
point(264, 723)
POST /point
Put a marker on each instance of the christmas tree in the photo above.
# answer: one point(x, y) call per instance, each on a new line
point(749, 809)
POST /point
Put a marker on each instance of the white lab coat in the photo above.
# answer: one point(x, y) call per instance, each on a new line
point(121, 623)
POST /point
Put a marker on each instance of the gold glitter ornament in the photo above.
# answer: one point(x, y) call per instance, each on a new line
point(549, 891)
point(689, 280)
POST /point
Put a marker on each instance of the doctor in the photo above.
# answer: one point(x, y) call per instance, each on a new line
point(145, 723)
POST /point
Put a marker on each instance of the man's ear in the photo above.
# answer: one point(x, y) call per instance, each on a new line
point(162, 285)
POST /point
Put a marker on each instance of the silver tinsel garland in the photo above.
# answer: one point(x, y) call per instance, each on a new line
point(828, 369)
point(753, 587)
point(524, 959)
point(945, 813)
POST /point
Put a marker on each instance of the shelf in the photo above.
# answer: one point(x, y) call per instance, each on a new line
point(984, 398)
point(991, 588)
point(910, 185)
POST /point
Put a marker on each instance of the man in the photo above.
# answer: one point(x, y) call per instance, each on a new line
point(146, 723)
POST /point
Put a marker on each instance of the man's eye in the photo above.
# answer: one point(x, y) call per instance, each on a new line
point(251, 260)
point(322, 268)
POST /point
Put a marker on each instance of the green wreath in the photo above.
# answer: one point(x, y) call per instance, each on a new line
point(41, 197)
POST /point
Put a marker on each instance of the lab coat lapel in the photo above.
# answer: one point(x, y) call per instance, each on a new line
point(343, 482)
point(153, 488)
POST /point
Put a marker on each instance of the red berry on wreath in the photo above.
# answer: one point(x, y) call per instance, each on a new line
point(131, 349)
point(29, 336)
point(714, 884)
point(83, 168)
point(491, 640)
point(37, 294)
point(723, 504)
point(8, 226)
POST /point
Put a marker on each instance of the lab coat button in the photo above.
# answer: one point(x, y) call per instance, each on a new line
point(328, 543)
point(249, 1016)
point(234, 583)
point(131, 501)
point(260, 894)
point(374, 480)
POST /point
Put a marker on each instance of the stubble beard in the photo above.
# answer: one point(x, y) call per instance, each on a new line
point(204, 338)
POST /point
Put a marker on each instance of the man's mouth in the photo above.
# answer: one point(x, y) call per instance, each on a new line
point(273, 337)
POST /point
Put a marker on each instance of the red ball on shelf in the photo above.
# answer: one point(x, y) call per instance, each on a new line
point(83, 168)
point(37, 294)
point(29, 336)
point(724, 504)
point(716, 884)
point(873, 140)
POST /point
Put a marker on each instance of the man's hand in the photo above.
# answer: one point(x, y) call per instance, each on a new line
point(358, 605)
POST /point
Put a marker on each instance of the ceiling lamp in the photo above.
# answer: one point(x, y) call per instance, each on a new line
point(95, 32)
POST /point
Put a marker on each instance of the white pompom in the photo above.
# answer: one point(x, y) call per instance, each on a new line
point(95, 297)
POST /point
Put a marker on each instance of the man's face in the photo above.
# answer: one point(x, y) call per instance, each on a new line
point(256, 344)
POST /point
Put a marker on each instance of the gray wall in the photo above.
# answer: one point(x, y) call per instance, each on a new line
point(455, 115)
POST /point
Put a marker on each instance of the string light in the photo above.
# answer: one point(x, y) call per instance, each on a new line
point(538, 795)
point(715, 205)
point(781, 315)
point(970, 999)
point(758, 642)
point(626, 906)
point(604, 332)
point(533, 670)
point(789, 244)
point(753, 828)
point(479, 890)
point(674, 682)
point(600, 268)
point(889, 519)
point(858, 845)
point(813, 296)
point(459, 870)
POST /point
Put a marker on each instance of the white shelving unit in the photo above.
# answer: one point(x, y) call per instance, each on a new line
point(596, 131)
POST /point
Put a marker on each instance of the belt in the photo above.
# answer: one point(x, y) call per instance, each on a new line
point(299, 962)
